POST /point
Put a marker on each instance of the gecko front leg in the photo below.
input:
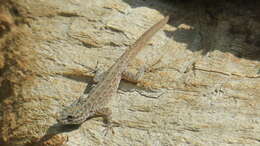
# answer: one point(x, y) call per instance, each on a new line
point(106, 114)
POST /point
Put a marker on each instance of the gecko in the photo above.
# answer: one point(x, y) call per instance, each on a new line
point(95, 103)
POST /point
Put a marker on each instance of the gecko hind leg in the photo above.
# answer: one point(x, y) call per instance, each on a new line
point(134, 76)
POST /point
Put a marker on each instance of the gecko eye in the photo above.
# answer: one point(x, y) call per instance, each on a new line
point(69, 117)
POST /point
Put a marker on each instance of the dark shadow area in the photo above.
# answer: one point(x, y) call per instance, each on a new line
point(52, 131)
point(226, 25)
point(6, 86)
point(58, 129)
point(6, 90)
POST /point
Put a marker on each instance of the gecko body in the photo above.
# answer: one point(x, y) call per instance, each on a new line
point(94, 104)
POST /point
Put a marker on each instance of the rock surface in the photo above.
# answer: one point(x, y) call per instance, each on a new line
point(201, 86)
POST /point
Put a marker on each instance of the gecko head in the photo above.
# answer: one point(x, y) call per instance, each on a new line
point(70, 116)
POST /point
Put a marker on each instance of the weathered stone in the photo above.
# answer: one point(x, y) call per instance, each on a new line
point(201, 86)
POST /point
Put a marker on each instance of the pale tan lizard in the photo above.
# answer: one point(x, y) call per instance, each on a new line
point(94, 104)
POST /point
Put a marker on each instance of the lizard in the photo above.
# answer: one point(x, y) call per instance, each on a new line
point(95, 103)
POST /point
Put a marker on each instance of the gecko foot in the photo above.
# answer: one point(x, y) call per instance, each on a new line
point(109, 127)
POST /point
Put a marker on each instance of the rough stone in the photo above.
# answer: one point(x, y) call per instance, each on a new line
point(201, 86)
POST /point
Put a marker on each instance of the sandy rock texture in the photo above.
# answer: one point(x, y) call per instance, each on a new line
point(201, 85)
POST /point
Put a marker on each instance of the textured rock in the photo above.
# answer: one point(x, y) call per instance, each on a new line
point(201, 86)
